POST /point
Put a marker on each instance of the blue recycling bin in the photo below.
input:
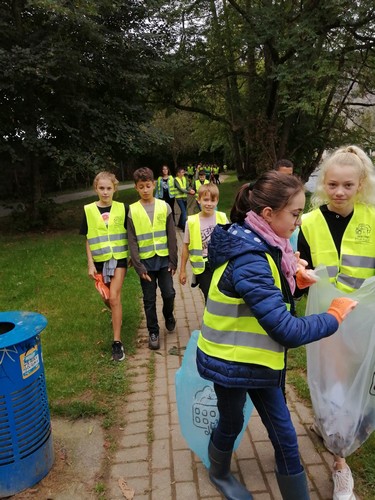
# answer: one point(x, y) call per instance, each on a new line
point(26, 447)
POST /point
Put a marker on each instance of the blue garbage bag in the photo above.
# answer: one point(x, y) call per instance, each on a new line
point(197, 404)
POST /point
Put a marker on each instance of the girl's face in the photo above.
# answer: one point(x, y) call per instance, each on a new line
point(284, 221)
point(341, 183)
point(105, 190)
point(165, 171)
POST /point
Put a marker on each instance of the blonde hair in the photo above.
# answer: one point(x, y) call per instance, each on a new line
point(344, 156)
point(210, 188)
point(105, 175)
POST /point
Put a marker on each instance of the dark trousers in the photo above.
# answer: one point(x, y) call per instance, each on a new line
point(203, 280)
point(275, 416)
point(164, 279)
point(182, 203)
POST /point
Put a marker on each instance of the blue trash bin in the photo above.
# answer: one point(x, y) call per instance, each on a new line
point(26, 447)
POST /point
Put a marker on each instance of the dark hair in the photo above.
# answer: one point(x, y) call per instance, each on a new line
point(143, 174)
point(272, 189)
point(201, 172)
point(283, 163)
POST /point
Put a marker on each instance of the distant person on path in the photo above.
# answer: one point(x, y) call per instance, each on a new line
point(182, 190)
point(343, 203)
point(104, 225)
point(153, 249)
point(190, 174)
point(165, 188)
point(286, 167)
point(197, 236)
point(249, 321)
point(198, 183)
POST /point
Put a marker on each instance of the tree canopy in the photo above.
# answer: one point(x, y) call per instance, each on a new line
point(87, 83)
point(283, 79)
point(74, 84)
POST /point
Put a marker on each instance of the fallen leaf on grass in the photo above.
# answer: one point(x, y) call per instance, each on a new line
point(126, 490)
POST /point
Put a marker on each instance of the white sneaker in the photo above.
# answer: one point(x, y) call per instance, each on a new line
point(343, 484)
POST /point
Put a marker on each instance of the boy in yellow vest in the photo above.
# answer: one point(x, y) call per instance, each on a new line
point(153, 249)
point(197, 237)
point(198, 183)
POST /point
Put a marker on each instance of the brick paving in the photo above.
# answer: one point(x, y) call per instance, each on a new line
point(163, 467)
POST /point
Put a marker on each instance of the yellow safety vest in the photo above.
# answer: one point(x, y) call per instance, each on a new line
point(357, 253)
point(171, 187)
point(182, 183)
point(195, 245)
point(151, 238)
point(230, 331)
point(107, 241)
point(198, 184)
point(190, 170)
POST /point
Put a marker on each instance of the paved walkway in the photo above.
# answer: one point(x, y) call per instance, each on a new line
point(164, 467)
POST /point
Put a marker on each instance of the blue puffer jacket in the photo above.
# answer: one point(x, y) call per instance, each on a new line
point(248, 275)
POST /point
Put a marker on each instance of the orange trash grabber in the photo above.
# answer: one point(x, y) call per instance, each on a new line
point(101, 286)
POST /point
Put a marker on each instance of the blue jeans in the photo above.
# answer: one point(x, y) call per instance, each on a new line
point(164, 279)
point(182, 203)
point(274, 413)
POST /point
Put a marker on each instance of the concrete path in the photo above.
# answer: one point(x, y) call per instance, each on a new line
point(164, 467)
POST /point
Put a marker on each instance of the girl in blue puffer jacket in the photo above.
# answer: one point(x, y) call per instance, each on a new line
point(249, 321)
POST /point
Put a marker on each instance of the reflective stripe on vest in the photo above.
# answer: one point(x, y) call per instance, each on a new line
point(182, 184)
point(195, 245)
point(171, 187)
point(231, 332)
point(109, 241)
point(198, 184)
point(357, 260)
point(151, 238)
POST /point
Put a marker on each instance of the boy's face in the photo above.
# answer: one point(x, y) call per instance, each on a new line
point(207, 203)
point(202, 177)
point(181, 173)
point(145, 189)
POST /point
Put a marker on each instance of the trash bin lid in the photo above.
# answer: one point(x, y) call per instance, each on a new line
point(20, 326)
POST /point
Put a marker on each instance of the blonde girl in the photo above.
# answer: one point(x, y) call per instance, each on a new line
point(104, 225)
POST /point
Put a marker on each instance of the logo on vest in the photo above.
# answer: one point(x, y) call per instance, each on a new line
point(362, 233)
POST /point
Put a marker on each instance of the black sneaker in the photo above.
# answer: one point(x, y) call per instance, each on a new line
point(170, 324)
point(154, 342)
point(118, 353)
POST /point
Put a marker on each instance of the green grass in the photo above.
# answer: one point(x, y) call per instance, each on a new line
point(47, 273)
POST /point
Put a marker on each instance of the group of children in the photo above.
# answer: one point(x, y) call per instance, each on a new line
point(145, 231)
point(249, 275)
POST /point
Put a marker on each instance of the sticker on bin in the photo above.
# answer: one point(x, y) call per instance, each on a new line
point(30, 362)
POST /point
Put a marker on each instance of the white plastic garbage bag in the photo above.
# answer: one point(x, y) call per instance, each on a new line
point(341, 368)
point(197, 404)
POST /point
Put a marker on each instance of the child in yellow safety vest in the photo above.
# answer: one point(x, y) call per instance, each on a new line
point(153, 249)
point(197, 237)
point(198, 183)
point(339, 233)
point(104, 225)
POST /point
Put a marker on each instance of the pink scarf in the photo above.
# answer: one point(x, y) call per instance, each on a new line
point(288, 260)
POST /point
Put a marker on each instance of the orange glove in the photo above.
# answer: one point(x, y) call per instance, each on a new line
point(341, 307)
point(101, 286)
point(305, 278)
